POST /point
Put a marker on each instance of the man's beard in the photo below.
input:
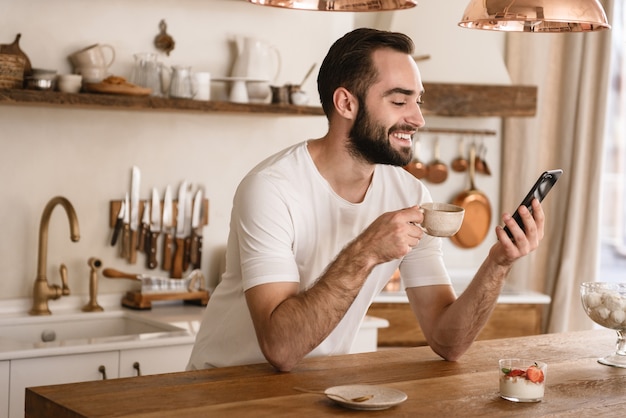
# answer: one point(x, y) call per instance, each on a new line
point(370, 141)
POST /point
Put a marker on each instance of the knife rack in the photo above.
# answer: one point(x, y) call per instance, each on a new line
point(115, 206)
point(143, 301)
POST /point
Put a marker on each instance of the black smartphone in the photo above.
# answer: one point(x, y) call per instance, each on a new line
point(540, 190)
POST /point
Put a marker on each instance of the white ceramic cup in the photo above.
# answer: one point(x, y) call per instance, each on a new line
point(93, 56)
point(442, 219)
point(69, 83)
point(202, 83)
point(92, 74)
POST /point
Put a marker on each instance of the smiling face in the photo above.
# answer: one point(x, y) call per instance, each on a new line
point(389, 115)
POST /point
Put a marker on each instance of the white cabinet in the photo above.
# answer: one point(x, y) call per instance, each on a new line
point(4, 388)
point(17, 375)
point(154, 360)
point(54, 370)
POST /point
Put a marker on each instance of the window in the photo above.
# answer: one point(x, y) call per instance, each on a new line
point(613, 193)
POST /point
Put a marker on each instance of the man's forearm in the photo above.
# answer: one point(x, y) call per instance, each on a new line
point(300, 323)
point(462, 321)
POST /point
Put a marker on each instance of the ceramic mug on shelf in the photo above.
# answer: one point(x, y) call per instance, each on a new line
point(92, 74)
point(93, 56)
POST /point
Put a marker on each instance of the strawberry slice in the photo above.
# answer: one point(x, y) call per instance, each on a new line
point(515, 372)
point(534, 374)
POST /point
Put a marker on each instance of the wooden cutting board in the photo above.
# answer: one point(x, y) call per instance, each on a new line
point(124, 88)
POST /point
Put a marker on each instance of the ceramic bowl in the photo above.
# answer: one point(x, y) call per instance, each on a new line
point(69, 83)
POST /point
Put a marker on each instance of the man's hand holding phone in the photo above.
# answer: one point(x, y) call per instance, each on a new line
point(540, 190)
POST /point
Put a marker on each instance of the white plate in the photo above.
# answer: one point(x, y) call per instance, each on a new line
point(382, 398)
point(246, 79)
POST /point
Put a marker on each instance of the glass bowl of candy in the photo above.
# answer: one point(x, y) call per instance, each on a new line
point(605, 304)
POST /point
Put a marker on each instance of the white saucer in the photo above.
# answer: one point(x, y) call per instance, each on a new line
point(246, 79)
point(382, 397)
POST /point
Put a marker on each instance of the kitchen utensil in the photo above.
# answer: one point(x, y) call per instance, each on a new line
point(256, 59)
point(125, 248)
point(155, 229)
point(460, 164)
point(298, 98)
point(361, 398)
point(181, 83)
point(39, 83)
point(156, 284)
point(202, 82)
point(481, 163)
point(195, 256)
point(168, 229)
point(437, 169)
point(124, 88)
point(134, 214)
point(416, 166)
point(187, 228)
point(69, 83)
point(477, 211)
point(93, 56)
point(147, 72)
point(119, 222)
point(441, 219)
point(306, 77)
point(163, 41)
point(179, 241)
point(280, 94)
point(144, 227)
point(14, 49)
point(93, 75)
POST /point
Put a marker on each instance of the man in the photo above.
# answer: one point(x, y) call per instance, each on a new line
point(318, 229)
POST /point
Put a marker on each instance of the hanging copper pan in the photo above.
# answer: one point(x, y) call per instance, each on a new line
point(477, 211)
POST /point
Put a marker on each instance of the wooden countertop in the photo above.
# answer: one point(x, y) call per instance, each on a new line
point(576, 385)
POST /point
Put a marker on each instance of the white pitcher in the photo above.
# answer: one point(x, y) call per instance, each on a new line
point(256, 60)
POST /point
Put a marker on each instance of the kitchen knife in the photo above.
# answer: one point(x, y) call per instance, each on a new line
point(187, 229)
point(168, 228)
point(134, 214)
point(155, 229)
point(195, 257)
point(143, 228)
point(177, 264)
point(119, 223)
point(125, 248)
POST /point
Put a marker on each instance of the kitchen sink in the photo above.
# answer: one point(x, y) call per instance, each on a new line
point(70, 329)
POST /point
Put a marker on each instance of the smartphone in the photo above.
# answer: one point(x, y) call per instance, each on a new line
point(540, 190)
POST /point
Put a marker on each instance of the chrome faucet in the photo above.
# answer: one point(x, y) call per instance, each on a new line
point(42, 290)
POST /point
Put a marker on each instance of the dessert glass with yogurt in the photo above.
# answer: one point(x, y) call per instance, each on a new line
point(522, 380)
point(605, 304)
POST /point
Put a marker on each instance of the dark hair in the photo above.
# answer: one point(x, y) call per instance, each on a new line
point(349, 62)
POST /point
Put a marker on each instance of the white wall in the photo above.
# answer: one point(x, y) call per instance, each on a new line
point(86, 155)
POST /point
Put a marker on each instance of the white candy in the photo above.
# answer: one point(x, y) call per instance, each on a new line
point(612, 301)
point(618, 316)
point(603, 312)
point(592, 300)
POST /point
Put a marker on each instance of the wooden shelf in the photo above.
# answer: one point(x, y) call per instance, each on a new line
point(455, 100)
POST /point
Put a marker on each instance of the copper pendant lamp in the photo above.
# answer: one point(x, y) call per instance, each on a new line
point(535, 15)
point(340, 5)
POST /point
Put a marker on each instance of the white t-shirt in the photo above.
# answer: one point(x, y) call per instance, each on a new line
point(288, 225)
